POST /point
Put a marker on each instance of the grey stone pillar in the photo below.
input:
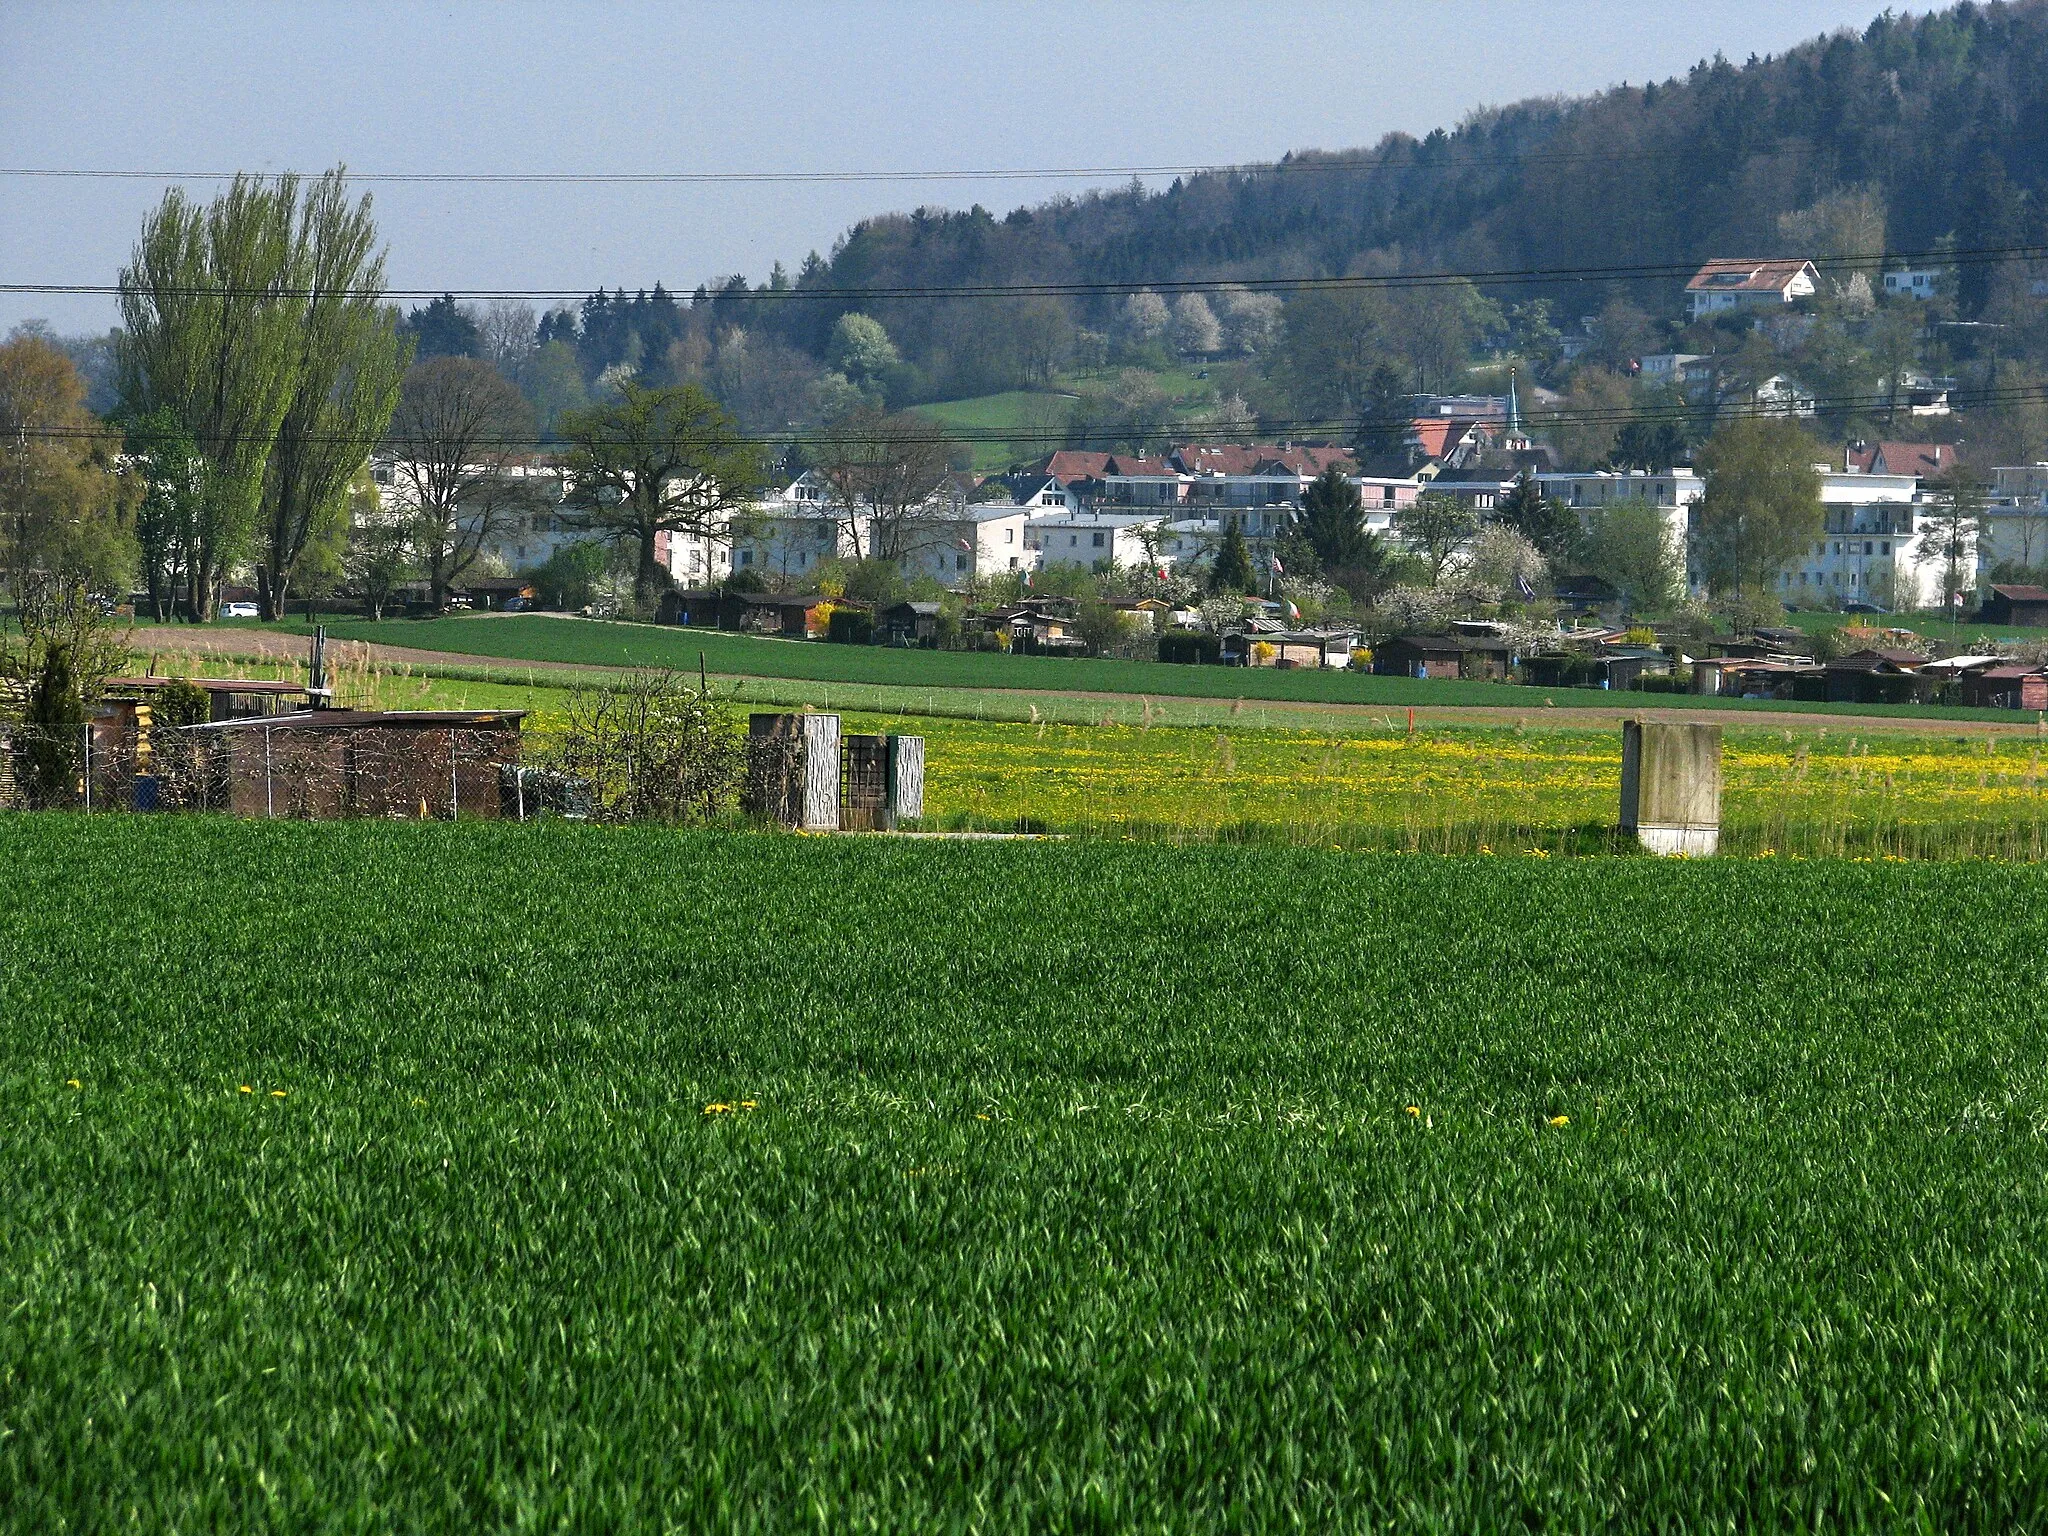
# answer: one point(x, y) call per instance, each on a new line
point(1671, 786)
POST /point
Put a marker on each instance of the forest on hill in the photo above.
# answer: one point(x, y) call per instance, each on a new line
point(1917, 133)
point(1920, 134)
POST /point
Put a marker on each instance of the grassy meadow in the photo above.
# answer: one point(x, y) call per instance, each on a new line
point(517, 638)
point(485, 1177)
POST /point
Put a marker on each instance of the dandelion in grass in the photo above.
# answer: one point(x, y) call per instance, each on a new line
point(1414, 1112)
point(1560, 1120)
point(277, 1093)
point(247, 1089)
point(717, 1109)
point(72, 1082)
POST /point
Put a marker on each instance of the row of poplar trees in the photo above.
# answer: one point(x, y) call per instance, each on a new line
point(259, 365)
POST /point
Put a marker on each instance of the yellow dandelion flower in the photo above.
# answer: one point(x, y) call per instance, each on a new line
point(748, 1104)
point(717, 1109)
point(1414, 1112)
point(981, 1117)
point(420, 1103)
point(247, 1089)
point(72, 1082)
point(1560, 1119)
point(277, 1093)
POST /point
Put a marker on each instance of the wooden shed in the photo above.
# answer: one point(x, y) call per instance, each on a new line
point(910, 624)
point(334, 763)
point(2010, 687)
point(2015, 605)
point(1442, 656)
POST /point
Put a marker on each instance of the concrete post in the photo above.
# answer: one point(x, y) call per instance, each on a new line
point(821, 773)
point(905, 800)
point(1671, 786)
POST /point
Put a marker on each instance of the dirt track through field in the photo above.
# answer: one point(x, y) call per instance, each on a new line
point(1540, 713)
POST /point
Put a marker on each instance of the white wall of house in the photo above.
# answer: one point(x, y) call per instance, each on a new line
point(1869, 550)
point(1083, 538)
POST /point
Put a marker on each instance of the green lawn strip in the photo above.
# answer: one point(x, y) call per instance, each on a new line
point(598, 643)
point(1030, 1209)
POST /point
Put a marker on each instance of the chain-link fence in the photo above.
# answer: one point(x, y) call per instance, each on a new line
point(308, 771)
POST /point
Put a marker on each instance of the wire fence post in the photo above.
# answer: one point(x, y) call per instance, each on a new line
point(269, 797)
point(519, 791)
point(87, 728)
point(454, 793)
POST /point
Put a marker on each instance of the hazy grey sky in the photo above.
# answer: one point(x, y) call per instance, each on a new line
point(184, 85)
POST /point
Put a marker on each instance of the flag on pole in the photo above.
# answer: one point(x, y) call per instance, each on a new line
point(1278, 568)
point(1293, 612)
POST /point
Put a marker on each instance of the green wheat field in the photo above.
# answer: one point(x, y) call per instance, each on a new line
point(369, 1176)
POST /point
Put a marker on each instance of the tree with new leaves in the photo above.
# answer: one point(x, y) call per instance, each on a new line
point(210, 333)
point(1436, 526)
point(351, 357)
point(1630, 547)
point(1232, 569)
point(458, 444)
point(172, 472)
point(1949, 532)
point(63, 509)
point(1762, 502)
point(656, 461)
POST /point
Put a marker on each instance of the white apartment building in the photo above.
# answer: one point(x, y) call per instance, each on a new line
point(1869, 548)
point(1087, 538)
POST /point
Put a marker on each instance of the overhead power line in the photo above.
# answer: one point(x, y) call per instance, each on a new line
point(1493, 276)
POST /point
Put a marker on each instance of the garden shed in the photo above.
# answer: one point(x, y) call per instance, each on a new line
point(2006, 687)
point(911, 624)
point(2015, 605)
point(333, 763)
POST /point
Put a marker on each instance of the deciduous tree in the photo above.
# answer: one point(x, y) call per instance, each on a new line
point(656, 461)
point(351, 356)
point(1762, 503)
point(458, 443)
point(211, 334)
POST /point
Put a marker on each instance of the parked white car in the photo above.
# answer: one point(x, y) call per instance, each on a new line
point(238, 611)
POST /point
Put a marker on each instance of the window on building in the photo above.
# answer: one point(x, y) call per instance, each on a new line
point(1098, 541)
point(1009, 535)
point(1802, 578)
point(1013, 562)
point(959, 562)
point(746, 557)
point(1885, 548)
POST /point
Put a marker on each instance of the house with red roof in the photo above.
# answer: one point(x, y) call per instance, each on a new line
point(1741, 282)
point(1886, 458)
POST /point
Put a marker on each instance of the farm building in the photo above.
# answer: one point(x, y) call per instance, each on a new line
point(1287, 649)
point(328, 764)
point(2015, 605)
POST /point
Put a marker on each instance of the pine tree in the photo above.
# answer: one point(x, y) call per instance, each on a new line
point(55, 716)
point(1333, 520)
point(1232, 571)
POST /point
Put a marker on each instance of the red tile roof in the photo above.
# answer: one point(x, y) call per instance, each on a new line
point(1925, 459)
point(1746, 275)
point(1256, 458)
point(1074, 464)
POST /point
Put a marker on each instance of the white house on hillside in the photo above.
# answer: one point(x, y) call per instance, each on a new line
point(1738, 283)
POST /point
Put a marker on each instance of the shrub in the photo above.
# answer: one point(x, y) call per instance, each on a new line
point(653, 749)
point(850, 626)
point(1190, 647)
